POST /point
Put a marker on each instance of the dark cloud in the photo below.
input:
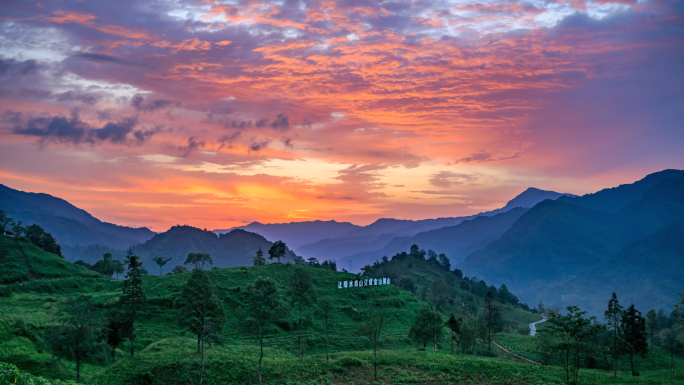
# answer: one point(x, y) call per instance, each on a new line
point(281, 122)
point(192, 145)
point(261, 123)
point(61, 129)
point(70, 96)
point(100, 58)
point(35, 94)
point(258, 144)
point(306, 122)
point(484, 157)
point(446, 179)
point(288, 142)
point(17, 67)
point(139, 103)
point(241, 125)
point(227, 140)
point(143, 135)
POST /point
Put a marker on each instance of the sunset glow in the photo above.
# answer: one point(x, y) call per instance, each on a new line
point(219, 113)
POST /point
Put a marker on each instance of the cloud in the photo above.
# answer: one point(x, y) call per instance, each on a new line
point(258, 144)
point(281, 122)
point(192, 145)
point(14, 67)
point(227, 140)
point(446, 179)
point(485, 157)
point(72, 130)
point(101, 58)
point(139, 103)
point(70, 96)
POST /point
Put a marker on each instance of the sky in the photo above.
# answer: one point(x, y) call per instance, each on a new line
point(219, 113)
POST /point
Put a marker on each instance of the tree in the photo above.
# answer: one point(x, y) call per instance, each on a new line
point(672, 345)
point(76, 338)
point(492, 317)
point(455, 326)
point(440, 294)
point(326, 308)
point(133, 298)
point(468, 337)
point(329, 264)
point(114, 330)
point(201, 261)
point(406, 283)
point(178, 270)
point(633, 327)
point(263, 308)
point(108, 266)
point(573, 335)
point(423, 326)
point(4, 221)
point(17, 229)
point(613, 315)
point(259, 259)
point(302, 295)
point(200, 311)
point(652, 325)
point(444, 261)
point(44, 240)
point(277, 250)
point(161, 262)
point(372, 329)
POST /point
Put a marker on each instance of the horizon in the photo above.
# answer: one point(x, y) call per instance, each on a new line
point(217, 116)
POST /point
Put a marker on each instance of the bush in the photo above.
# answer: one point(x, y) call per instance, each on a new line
point(10, 374)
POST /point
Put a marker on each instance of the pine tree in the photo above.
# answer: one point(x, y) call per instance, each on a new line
point(633, 327)
point(259, 259)
point(613, 315)
point(133, 298)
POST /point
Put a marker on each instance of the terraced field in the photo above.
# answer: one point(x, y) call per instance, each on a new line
point(521, 345)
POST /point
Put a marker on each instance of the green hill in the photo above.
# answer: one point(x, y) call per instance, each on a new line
point(236, 248)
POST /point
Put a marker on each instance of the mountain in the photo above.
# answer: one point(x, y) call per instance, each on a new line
point(295, 234)
point(456, 242)
point(236, 248)
point(648, 272)
point(556, 240)
point(387, 236)
point(69, 225)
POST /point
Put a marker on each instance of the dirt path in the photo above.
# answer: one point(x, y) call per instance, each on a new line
point(515, 355)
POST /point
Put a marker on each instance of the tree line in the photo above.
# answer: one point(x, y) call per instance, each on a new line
point(34, 233)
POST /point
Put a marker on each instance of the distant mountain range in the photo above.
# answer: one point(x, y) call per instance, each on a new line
point(69, 225)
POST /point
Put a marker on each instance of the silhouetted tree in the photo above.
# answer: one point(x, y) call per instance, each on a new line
point(161, 262)
point(77, 336)
point(200, 311)
point(313, 262)
point(302, 295)
point(329, 264)
point(108, 266)
point(179, 270)
point(633, 327)
point(277, 250)
point(455, 326)
point(201, 261)
point(444, 261)
point(613, 315)
point(133, 298)
point(114, 331)
point(263, 308)
point(17, 229)
point(43, 240)
point(5, 220)
point(259, 259)
point(458, 273)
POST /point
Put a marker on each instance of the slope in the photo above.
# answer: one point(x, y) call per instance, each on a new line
point(236, 248)
point(648, 272)
point(555, 239)
point(68, 224)
point(456, 242)
point(386, 232)
point(295, 234)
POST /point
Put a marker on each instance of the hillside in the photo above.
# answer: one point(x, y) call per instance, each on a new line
point(457, 242)
point(236, 248)
point(69, 225)
point(22, 261)
point(648, 272)
point(166, 354)
point(557, 239)
point(387, 236)
point(296, 234)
